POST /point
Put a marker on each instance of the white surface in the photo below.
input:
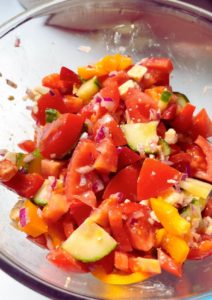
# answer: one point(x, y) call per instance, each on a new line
point(10, 289)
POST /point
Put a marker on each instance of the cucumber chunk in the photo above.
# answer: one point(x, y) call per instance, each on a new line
point(42, 195)
point(140, 136)
point(182, 100)
point(88, 89)
point(89, 242)
point(196, 187)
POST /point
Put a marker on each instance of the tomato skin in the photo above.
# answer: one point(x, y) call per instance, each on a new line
point(118, 230)
point(67, 224)
point(168, 264)
point(84, 154)
point(183, 120)
point(107, 263)
point(125, 182)
point(27, 145)
point(58, 137)
point(25, 185)
point(182, 162)
point(140, 231)
point(68, 75)
point(121, 261)
point(79, 211)
point(139, 105)
point(126, 157)
point(153, 184)
point(170, 112)
point(206, 148)
point(197, 158)
point(48, 100)
point(201, 125)
point(158, 63)
point(203, 250)
point(65, 261)
point(208, 209)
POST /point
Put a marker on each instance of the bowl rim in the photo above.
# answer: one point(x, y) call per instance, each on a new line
point(23, 276)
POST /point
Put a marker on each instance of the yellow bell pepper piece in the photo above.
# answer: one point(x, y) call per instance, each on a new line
point(116, 62)
point(118, 278)
point(170, 218)
point(35, 165)
point(159, 235)
point(35, 224)
point(176, 247)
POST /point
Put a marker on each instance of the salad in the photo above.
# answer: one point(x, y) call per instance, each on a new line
point(116, 181)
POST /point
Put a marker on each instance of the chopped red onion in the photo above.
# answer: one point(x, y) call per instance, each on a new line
point(23, 217)
point(3, 152)
point(84, 169)
point(113, 73)
point(119, 196)
point(108, 103)
point(100, 134)
point(52, 181)
point(108, 99)
point(184, 176)
point(98, 98)
point(98, 186)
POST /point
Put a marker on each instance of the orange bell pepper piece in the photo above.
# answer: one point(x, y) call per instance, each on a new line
point(170, 218)
point(176, 247)
point(116, 62)
point(35, 225)
point(119, 278)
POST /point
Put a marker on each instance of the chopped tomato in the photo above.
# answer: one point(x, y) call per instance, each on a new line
point(147, 265)
point(39, 240)
point(106, 263)
point(121, 261)
point(68, 224)
point(51, 167)
point(70, 76)
point(27, 145)
point(73, 104)
point(56, 233)
point(77, 183)
point(57, 206)
point(154, 77)
point(109, 126)
point(183, 120)
point(117, 228)
point(58, 137)
point(208, 208)
point(65, 261)
point(158, 63)
point(7, 170)
point(111, 96)
point(116, 79)
point(206, 148)
point(126, 157)
point(203, 249)
point(161, 129)
point(107, 158)
point(79, 211)
point(139, 105)
point(197, 158)
point(170, 112)
point(53, 81)
point(25, 185)
point(141, 232)
point(182, 162)
point(168, 264)
point(201, 125)
point(125, 182)
point(155, 177)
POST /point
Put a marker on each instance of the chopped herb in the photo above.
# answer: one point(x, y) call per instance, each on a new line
point(51, 115)
point(36, 153)
point(11, 83)
point(11, 98)
point(166, 96)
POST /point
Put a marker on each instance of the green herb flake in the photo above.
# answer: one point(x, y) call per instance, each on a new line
point(166, 96)
point(36, 153)
point(51, 115)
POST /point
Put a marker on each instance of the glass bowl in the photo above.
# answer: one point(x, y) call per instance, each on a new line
point(138, 28)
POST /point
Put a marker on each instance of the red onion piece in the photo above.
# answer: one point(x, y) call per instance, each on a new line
point(98, 186)
point(23, 217)
point(84, 169)
point(100, 134)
